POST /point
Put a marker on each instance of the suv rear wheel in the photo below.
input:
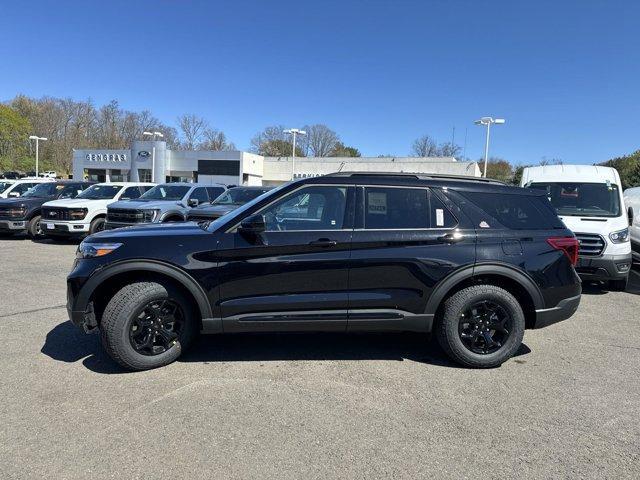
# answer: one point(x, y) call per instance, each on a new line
point(147, 325)
point(482, 326)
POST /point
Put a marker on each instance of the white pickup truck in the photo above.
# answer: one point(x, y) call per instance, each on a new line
point(86, 213)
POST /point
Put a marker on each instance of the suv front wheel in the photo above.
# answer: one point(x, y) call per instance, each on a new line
point(482, 326)
point(147, 325)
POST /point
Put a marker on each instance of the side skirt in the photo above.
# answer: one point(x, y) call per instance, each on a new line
point(369, 320)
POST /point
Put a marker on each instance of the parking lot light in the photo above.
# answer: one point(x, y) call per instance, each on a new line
point(294, 132)
point(488, 121)
point(37, 139)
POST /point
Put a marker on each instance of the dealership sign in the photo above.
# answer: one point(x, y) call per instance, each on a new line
point(106, 157)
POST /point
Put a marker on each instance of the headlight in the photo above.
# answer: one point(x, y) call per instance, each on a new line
point(620, 236)
point(150, 215)
point(16, 212)
point(92, 250)
point(77, 213)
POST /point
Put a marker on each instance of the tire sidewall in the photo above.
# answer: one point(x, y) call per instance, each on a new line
point(96, 223)
point(120, 340)
point(33, 227)
point(451, 325)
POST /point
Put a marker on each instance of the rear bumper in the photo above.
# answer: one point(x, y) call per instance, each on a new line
point(605, 267)
point(13, 225)
point(565, 309)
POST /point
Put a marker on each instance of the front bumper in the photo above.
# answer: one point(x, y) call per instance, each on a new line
point(565, 309)
point(12, 225)
point(51, 227)
point(604, 267)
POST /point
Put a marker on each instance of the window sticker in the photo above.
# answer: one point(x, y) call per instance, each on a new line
point(439, 217)
point(377, 203)
point(484, 224)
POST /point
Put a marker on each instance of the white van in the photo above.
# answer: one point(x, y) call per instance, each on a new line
point(588, 199)
point(632, 202)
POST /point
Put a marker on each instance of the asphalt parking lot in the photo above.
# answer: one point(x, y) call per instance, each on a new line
point(311, 406)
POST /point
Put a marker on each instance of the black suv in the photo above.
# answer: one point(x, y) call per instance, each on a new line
point(472, 260)
point(23, 214)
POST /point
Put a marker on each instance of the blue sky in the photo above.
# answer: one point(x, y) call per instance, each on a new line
point(565, 74)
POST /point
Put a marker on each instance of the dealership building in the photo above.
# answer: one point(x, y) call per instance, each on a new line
point(152, 161)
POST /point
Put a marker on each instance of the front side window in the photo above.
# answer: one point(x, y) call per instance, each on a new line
point(310, 208)
point(404, 208)
point(100, 192)
point(166, 192)
point(215, 192)
point(582, 199)
point(199, 194)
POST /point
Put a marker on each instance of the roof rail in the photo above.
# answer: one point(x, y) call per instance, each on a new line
point(416, 176)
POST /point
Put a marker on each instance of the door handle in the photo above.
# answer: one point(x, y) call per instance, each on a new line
point(450, 238)
point(323, 242)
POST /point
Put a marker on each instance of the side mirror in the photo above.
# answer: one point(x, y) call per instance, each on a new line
point(193, 202)
point(253, 224)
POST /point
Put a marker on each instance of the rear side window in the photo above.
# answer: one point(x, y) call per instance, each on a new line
point(520, 212)
point(215, 192)
point(404, 208)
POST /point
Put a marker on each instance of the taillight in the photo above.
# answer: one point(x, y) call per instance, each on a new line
point(569, 245)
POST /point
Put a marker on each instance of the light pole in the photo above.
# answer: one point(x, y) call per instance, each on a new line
point(153, 151)
point(294, 132)
point(488, 121)
point(37, 139)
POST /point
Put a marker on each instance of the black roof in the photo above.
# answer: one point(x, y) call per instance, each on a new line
point(459, 182)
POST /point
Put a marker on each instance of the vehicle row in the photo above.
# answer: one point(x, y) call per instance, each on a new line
point(63, 208)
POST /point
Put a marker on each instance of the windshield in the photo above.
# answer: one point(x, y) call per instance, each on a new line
point(4, 186)
point(238, 196)
point(44, 190)
point(166, 192)
point(100, 192)
point(582, 199)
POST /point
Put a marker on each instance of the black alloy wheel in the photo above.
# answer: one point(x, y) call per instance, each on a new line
point(484, 327)
point(156, 327)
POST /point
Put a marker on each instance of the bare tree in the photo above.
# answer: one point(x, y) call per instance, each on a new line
point(424, 146)
point(320, 140)
point(192, 129)
point(215, 140)
point(449, 149)
point(265, 141)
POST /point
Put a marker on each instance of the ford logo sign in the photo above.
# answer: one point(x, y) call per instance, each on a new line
point(143, 153)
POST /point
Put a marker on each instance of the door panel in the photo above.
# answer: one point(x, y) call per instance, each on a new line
point(288, 280)
point(393, 272)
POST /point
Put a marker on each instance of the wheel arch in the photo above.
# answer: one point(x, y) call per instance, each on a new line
point(172, 215)
point(506, 276)
point(100, 288)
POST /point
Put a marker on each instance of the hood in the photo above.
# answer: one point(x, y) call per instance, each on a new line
point(149, 230)
point(599, 225)
point(213, 210)
point(72, 202)
point(144, 204)
point(21, 202)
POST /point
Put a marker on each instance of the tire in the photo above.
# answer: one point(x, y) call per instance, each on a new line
point(618, 285)
point(452, 333)
point(33, 229)
point(97, 225)
point(123, 313)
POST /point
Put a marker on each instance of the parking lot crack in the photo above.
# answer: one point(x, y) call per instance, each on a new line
point(44, 309)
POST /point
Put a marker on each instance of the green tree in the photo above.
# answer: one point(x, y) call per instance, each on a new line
point(341, 150)
point(498, 169)
point(628, 167)
point(14, 137)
